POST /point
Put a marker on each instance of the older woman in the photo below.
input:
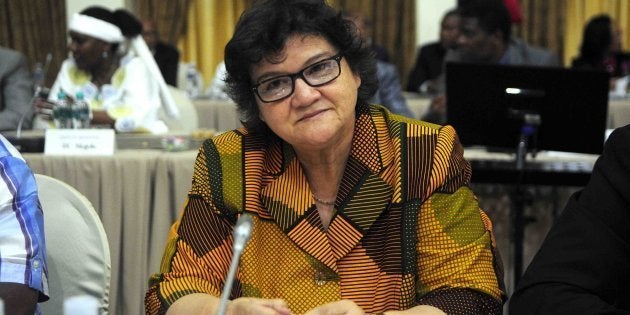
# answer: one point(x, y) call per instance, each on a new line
point(355, 210)
point(121, 90)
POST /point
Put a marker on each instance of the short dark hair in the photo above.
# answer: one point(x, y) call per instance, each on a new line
point(492, 16)
point(261, 33)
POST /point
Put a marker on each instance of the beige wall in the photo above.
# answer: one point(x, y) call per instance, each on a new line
point(428, 17)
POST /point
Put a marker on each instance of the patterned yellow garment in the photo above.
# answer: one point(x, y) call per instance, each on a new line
point(407, 230)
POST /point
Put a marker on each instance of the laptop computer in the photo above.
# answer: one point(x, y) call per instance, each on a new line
point(487, 104)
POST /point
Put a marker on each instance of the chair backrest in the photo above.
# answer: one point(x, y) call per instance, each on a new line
point(188, 120)
point(79, 262)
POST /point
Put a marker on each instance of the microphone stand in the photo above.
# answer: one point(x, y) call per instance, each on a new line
point(242, 232)
point(519, 196)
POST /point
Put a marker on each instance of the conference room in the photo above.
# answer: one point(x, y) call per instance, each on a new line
point(138, 183)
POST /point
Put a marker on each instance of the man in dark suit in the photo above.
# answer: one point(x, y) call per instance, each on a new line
point(16, 90)
point(583, 266)
point(166, 56)
point(430, 59)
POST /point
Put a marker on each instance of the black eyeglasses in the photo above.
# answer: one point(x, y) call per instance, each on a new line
point(317, 74)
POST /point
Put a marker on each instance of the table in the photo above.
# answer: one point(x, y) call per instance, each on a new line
point(548, 168)
point(222, 115)
point(138, 195)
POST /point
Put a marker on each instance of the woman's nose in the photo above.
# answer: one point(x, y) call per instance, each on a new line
point(303, 94)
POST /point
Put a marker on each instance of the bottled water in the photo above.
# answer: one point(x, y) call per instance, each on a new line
point(192, 87)
point(62, 111)
point(81, 113)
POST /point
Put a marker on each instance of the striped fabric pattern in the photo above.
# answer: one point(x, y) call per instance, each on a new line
point(407, 229)
point(22, 239)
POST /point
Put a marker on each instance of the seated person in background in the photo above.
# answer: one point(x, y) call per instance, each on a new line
point(364, 25)
point(354, 210)
point(389, 93)
point(166, 55)
point(16, 90)
point(485, 37)
point(121, 89)
point(23, 268)
point(583, 265)
point(601, 48)
point(430, 59)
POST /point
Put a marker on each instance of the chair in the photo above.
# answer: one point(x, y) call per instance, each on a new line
point(188, 120)
point(79, 263)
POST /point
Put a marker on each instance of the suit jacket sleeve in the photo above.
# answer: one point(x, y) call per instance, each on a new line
point(582, 266)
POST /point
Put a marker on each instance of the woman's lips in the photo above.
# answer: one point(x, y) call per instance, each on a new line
point(312, 114)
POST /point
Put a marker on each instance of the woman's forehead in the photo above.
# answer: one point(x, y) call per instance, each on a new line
point(298, 50)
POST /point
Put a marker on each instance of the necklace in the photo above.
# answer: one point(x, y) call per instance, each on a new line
point(326, 202)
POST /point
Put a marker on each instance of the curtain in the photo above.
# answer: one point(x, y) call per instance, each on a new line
point(169, 17)
point(543, 24)
point(393, 27)
point(209, 27)
point(558, 25)
point(578, 12)
point(35, 28)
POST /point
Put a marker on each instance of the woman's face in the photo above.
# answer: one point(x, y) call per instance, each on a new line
point(87, 51)
point(311, 118)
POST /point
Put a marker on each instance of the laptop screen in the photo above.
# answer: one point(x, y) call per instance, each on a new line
point(487, 104)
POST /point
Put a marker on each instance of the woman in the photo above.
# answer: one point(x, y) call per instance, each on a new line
point(118, 85)
point(601, 42)
point(355, 210)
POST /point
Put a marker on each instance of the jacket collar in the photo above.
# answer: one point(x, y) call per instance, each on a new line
point(365, 191)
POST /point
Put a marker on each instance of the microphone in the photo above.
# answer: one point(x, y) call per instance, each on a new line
point(39, 76)
point(242, 232)
point(32, 144)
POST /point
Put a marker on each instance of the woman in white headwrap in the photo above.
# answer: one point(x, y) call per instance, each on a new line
point(122, 86)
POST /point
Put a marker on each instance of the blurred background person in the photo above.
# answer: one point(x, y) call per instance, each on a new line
point(23, 267)
point(166, 55)
point(601, 48)
point(122, 91)
point(485, 37)
point(16, 90)
point(389, 93)
point(364, 25)
point(430, 59)
point(354, 210)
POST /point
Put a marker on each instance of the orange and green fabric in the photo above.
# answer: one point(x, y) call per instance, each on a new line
point(408, 230)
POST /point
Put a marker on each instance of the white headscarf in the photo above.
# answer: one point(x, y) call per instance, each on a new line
point(111, 33)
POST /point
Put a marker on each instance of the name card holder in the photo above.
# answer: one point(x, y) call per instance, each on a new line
point(80, 142)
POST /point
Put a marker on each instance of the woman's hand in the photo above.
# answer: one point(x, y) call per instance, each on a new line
point(342, 307)
point(255, 306)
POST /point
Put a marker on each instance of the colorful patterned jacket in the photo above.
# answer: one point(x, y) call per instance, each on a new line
point(408, 229)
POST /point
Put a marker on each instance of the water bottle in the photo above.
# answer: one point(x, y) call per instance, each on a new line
point(81, 113)
point(192, 89)
point(38, 77)
point(62, 111)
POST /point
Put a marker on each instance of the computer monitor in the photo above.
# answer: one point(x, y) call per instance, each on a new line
point(485, 104)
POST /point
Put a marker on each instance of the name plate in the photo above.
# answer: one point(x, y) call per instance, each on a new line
point(80, 142)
